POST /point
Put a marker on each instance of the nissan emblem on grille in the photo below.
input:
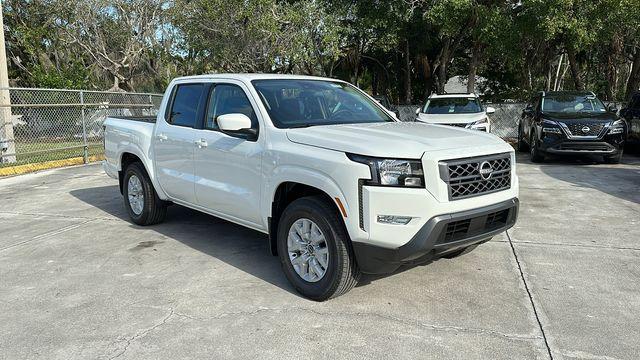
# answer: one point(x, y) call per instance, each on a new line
point(586, 129)
point(476, 176)
point(485, 170)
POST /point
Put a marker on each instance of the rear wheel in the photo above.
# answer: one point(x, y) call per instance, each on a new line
point(143, 205)
point(314, 249)
point(522, 146)
point(534, 153)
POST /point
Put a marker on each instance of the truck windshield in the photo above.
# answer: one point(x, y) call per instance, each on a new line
point(567, 103)
point(302, 103)
point(453, 105)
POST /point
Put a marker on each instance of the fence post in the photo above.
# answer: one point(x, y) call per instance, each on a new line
point(85, 154)
point(7, 138)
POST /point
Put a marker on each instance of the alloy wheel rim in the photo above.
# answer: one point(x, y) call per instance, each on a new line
point(307, 249)
point(135, 194)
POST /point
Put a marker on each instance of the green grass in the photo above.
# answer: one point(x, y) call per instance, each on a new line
point(41, 151)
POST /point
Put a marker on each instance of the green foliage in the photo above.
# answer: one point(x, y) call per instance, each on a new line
point(395, 47)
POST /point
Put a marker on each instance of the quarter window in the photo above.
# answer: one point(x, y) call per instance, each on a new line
point(184, 108)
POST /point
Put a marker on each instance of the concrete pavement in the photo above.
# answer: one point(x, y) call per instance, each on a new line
point(78, 280)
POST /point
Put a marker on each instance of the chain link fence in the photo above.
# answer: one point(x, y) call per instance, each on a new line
point(504, 122)
point(39, 125)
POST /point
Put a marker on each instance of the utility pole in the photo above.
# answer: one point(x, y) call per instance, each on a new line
point(7, 141)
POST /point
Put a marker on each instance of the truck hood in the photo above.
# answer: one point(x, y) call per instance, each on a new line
point(569, 117)
point(394, 139)
point(451, 118)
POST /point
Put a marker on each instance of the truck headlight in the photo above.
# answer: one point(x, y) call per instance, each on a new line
point(617, 127)
point(392, 172)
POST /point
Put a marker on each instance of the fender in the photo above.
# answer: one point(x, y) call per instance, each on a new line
point(135, 149)
point(302, 175)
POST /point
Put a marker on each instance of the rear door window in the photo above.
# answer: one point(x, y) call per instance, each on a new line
point(184, 106)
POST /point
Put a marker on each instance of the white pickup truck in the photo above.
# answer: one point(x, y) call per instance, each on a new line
point(339, 184)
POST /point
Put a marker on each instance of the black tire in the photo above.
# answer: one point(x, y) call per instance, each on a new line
point(522, 146)
point(342, 272)
point(615, 159)
point(534, 153)
point(154, 209)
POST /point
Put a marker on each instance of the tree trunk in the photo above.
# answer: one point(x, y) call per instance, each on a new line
point(374, 82)
point(612, 67)
point(473, 67)
point(633, 84)
point(408, 97)
point(556, 83)
point(443, 60)
point(575, 68)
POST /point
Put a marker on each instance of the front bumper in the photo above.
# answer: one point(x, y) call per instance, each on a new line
point(560, 144)
point(439, 235)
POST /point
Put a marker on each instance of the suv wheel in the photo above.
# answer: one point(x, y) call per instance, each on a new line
point(522, 146)
point(315, 250)
point(143, 204)
point(534, 152)
point(615, 159)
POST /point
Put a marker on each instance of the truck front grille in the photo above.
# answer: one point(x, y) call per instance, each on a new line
point(476, 176)
point(586, 128)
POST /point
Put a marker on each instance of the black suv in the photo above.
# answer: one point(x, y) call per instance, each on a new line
point(632, 114)
point(571, 122)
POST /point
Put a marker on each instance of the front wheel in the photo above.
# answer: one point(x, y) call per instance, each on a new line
point(615, 159)
point(143, 205)
point(314, 249)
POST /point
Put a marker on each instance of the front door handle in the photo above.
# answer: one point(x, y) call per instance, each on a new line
point(202, 143)
point(161, 137)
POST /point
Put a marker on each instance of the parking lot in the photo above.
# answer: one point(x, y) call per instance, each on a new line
point(78, 280)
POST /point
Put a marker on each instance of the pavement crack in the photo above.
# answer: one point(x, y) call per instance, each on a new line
point(533, 304)
point(48, 234)
point(403, 321)
point(584, 246)
point(57, 216)
point(142, 334)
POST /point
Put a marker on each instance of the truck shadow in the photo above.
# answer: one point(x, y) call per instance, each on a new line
point(242, 248)
point(619, 180)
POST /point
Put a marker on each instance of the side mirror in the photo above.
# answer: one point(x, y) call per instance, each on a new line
point(236, 124)
point(418, 111)
point(613, 109)
point(397, 112)
point(527, 111)
point(490, 110)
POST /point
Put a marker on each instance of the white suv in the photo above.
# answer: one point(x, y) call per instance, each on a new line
point(462, 110)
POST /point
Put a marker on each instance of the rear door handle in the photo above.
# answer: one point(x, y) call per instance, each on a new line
point(161, 137)
point(202, 143)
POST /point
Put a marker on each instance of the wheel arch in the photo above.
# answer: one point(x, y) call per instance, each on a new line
point(288, 191)
point(129, 157)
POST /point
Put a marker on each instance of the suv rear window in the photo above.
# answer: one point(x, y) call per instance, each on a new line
point(184, 106)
